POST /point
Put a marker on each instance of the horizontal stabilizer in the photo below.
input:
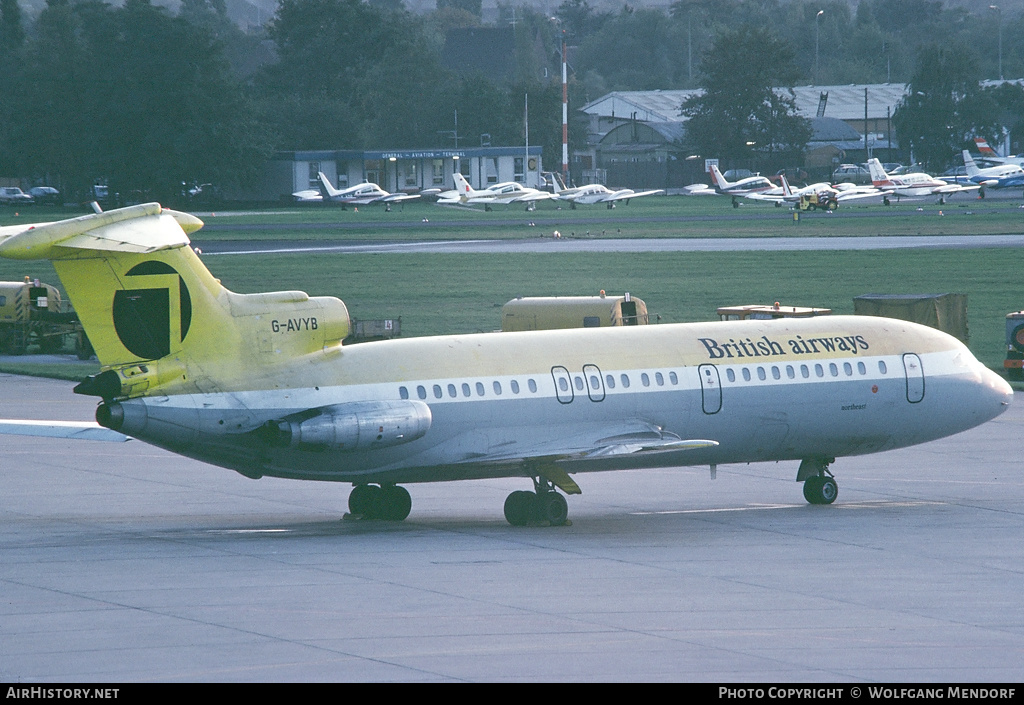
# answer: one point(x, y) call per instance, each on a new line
point(77, 430)
point(138, 229)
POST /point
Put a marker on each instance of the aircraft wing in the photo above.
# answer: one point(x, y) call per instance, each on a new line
point(842, 197)
point(588, 441)
point(626, 194)
point(699, 190)
point(530, 197)
point(78, 430)
point(645, 443)
point(397, 197)
point(769, 198)
point(955, 188)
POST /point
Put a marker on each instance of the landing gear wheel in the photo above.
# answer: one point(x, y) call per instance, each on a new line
point(520, 507)
point(388, 503)
point(820, 489)
point(397, 503)
point(365, 501)
point(552, 508)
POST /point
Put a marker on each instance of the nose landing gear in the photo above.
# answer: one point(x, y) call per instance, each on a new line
point(820, 486)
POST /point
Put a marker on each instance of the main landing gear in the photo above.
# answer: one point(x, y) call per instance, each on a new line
point(544, 505)
point(819, 485)
point(385, 502)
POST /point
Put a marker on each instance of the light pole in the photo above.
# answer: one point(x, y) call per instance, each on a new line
point(816, 18)
point(999, 23)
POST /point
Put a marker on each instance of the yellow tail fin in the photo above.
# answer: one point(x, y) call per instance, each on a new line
point(156, 316)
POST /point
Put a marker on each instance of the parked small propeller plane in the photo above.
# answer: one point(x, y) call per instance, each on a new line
point(358, 195)
point(916, 184)
point(505, 193)
point(594, 193)
point(261, 383)
point(999, 176)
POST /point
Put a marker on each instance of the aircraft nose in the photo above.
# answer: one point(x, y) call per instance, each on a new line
point(998, 390)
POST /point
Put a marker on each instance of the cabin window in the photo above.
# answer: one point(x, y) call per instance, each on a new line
point(579, 383)
point(421, 391)
point(437, 391)
point(776, 373)
point(479, 389)
point(532, 385)
point(659, 378)
point(761, 374)
point(563, 384)
point(861, 368)
point(673, 378)
point(403, 392)
point(746, 374)
point(515, 386)
point(881, 366)
point(848, 369)
point(595, 382)
point(465, 389)
point(819, 370)
point(452, 391)
point(804, 371)
point(497, 387)
point(730, 375)
point(833, 369)
point(645, 380)
point(625, 381)
point(790, 372)
point(610, 381)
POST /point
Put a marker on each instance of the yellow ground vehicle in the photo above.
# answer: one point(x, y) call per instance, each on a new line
point(552, 312)
point(32, 313)
point(818, 201)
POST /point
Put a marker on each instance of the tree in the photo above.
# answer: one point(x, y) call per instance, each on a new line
point(135, 96)
point(944, 106)
point(740, 116)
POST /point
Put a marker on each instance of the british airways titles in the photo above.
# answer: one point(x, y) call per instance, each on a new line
point(766, 347)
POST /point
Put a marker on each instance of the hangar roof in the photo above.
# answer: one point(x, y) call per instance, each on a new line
point(844, 102)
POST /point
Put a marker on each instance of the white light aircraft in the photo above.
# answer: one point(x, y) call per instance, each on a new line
point(827, 193)
point(261, 383)
point(360, 194)
point(594, 193)
point(599, 193)
point(1000, 176)
point(505, 193)
point(916, 184)
point(751, 184)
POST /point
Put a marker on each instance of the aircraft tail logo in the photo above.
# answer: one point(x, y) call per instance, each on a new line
point(983, 147)
point(462, 186)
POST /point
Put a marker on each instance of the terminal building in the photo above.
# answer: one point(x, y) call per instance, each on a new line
point(410, 170)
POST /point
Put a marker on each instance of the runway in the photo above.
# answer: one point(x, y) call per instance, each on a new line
point(549, 244)
point(122, 563)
